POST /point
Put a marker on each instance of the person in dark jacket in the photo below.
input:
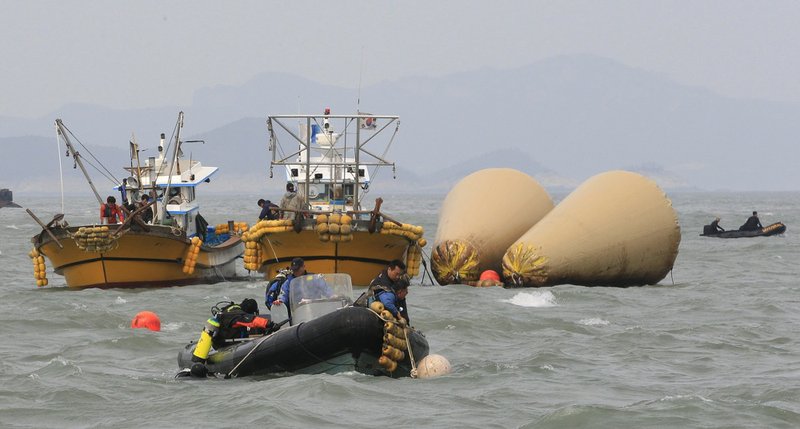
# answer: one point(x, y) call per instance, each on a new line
point(752, 223)
point(713, 228)
point(298, 268)
point(147, 215)
point(229, 322)
point(269, 211)
point(390, 287)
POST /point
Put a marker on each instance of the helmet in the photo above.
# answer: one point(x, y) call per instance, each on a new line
point(249, 305)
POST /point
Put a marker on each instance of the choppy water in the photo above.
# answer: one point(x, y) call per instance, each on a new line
point(719, 348)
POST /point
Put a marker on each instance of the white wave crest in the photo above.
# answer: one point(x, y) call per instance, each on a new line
point(533, 299)
point(594, 321)
point(172, 326)
point(120, 300)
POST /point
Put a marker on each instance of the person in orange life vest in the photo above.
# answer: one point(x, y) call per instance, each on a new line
point(110, 212)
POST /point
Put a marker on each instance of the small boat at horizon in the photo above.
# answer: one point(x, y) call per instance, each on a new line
point(175, 249)
point(767, 231)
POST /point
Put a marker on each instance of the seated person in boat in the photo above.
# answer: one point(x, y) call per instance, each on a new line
point(290, 201)
point(298, 268)
point(752, 223)
point(269, 211)
point(274, 286)
point(390, 287)
point(230, 322)
point(110, 212)
point(147, 215)
point(713, 228)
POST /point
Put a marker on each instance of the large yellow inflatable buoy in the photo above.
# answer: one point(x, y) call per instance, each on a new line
point(470, 238)
point(617, 229)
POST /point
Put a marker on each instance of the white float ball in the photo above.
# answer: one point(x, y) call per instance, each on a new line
point(433, 366)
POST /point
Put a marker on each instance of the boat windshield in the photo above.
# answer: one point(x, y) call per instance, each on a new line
point(313, 295)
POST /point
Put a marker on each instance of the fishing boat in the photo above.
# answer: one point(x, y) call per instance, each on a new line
point(327, 160)
point(175, 249)
point(7, 198)
point(326, 333)
point(769, 230)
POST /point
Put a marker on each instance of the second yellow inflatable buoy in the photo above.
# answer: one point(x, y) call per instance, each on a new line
point(617, 229)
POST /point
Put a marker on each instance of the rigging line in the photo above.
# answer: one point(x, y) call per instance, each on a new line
point(110, 179)
point(113, 180)
point(166, 151)
point(383, 155)
point(60, 169)
point(360, 75)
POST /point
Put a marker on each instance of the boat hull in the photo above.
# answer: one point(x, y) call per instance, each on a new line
point(363, 257)
point(769, 230)
point(348, 339)
point(139, 259)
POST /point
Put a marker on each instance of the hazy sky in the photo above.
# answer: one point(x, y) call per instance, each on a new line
point(147, 53)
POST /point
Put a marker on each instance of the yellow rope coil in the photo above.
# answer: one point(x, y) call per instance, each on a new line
point(252, 255)
point(454, 261)
point(522, 262)
point(264, 227)
point(413, 259)
point(39, 268)
point(94, 239)
point(238, 228)
point(411, 232)
point(396, 342)
point(191, 255)
point(334, 227)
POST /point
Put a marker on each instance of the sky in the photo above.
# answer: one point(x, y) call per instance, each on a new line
point(147, 53)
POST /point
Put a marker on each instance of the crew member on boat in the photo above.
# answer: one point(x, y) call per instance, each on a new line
point(390, 287)
point(229, 322)
point(713, 227)
point(147, 215)
point(290, 201)
point(752, 223)
point(298, 268)
point(110, 212)
point(269, 211)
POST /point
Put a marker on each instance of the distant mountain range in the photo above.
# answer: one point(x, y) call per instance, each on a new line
point(560, 120)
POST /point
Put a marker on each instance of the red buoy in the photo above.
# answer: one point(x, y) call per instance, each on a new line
point(490, 275)
point(146, 319)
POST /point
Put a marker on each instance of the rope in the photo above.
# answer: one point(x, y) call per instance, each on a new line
point(410, 354)
point(230, 373)
point(109, 175)
point(273, 250)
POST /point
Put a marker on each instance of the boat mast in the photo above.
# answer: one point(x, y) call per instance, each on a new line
point(77, 157)
point(356, 185)
point(165, 199)
point(138, 162)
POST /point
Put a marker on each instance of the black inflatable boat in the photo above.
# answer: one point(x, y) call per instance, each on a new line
point(327, 335)
point(774, 229)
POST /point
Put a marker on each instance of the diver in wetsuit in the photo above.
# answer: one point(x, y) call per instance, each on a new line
point(752, 223)
point(713, 228)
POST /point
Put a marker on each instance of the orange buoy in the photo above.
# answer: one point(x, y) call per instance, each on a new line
point(490, 275)
point(146, 319)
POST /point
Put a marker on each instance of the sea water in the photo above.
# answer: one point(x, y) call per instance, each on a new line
point(715, 344)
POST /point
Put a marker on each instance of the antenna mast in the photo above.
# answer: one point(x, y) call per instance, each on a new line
point(75, 155)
